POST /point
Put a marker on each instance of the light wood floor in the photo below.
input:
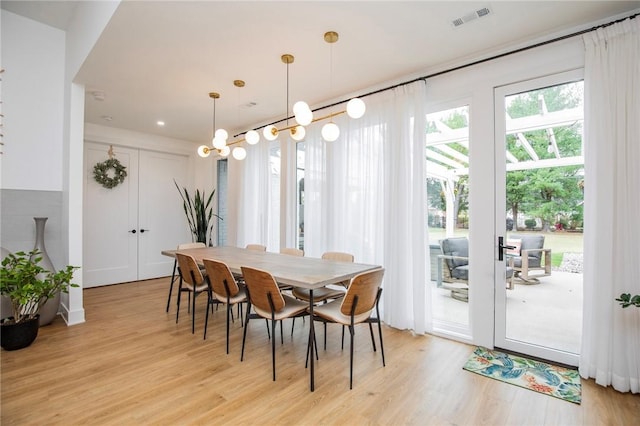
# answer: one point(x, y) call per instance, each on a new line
point(131, 364)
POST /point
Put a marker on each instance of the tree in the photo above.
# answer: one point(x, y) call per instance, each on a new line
point(546, 193)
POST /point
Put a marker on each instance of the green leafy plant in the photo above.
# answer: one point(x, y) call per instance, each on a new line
point(28, 285)
point(626, 300)
point(199, 212)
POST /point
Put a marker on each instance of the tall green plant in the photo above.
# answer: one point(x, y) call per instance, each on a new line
point(199, 213)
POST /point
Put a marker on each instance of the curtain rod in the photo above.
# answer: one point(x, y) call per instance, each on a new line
point(470, 64)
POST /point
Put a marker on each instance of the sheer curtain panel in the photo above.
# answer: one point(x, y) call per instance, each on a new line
point(258, 200)
point(611, 335)
point(365, 195)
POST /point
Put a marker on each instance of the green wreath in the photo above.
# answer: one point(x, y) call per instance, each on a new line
point(101, 173)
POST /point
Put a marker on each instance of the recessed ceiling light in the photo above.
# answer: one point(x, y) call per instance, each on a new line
point(160, 123)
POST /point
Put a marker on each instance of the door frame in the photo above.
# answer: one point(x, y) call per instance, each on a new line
point(500, 338)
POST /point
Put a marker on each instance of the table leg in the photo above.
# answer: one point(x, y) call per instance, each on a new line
point(312, 341)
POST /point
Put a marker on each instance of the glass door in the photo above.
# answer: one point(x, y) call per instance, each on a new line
point(539, 222)
point(447, 165)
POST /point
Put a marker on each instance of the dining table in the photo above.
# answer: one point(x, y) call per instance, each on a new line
point(297, 271)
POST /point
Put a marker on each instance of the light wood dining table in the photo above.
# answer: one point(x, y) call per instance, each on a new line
point(305, 272)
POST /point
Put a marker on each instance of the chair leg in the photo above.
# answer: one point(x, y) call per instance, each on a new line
point(381, 344)
point(244, 334)
point(178, 303)
point(373, 342)
point(325, 335)
point(193, 313)
point(273, 348)
point(229, 311)
point(281, 334)
point(173, 277)
point(352, 331)
point(206, 321)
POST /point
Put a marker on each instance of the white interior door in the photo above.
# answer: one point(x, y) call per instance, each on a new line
point(161, 216)
point(126, 227)
point(539, 167)
point(110, 246)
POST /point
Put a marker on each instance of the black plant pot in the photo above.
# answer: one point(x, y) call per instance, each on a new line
point(18, 336)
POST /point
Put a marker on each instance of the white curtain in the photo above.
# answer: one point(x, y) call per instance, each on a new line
point(258, 198)
point(365, 194)
point(611, 335)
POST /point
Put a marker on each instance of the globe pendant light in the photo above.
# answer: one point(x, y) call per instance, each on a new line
point(356, 108)
point(252, 137)
point(330, 131)
point(239, 153)
point(220, 135)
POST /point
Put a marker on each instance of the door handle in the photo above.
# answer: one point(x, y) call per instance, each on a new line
point(133, 231)
point(142, 231)
point(502, 247)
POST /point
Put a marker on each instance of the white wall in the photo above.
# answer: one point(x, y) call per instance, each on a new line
point(33, 56)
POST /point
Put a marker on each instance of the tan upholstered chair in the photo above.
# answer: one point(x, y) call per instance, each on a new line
point(257, 247)
point(363, 295)
point(269, 303)
point(323, 294)
point(292, 251)
point(529, 255)
point(192, 281)
point(224, 289)
point(175, 266)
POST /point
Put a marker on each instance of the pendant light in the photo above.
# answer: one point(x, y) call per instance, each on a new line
point(219, 140)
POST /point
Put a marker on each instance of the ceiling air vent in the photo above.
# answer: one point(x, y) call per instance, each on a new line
point(471, 16)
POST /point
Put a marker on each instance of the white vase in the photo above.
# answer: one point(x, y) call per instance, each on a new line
point(50, 309)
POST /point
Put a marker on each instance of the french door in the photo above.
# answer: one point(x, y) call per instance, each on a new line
point(539, 173)
point(126, 227)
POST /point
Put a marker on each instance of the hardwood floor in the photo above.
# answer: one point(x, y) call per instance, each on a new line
point(130, 363)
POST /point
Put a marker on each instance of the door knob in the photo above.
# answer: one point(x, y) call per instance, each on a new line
point(133, 231)
point(142, 231)
point(502, 247)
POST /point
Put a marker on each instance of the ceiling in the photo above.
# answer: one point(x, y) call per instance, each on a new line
point(158, 60)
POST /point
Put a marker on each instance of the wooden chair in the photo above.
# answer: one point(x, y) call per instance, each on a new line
point(192, 281)
point(363, 295)
point(529, 256)
point(323, 294)
point(257, 247)
point(269, 303)
point(292, 251)
point(175, 266)
point(223, 289)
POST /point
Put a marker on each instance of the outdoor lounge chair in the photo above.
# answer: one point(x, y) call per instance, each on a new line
point(528, 257)
point(453, 268)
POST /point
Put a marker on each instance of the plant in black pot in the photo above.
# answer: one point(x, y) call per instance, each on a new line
point(28, 286)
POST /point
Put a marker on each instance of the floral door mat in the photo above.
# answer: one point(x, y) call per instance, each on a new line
point(560, 382)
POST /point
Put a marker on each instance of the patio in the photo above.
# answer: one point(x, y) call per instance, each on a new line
point(547, 314)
